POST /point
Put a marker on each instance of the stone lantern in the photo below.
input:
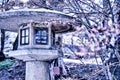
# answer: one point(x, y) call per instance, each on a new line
point(36, 41)
point(37, 47)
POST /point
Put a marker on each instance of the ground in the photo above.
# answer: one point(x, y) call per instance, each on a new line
point(75, 71)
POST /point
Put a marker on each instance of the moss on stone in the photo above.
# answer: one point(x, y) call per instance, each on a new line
point(6, 63)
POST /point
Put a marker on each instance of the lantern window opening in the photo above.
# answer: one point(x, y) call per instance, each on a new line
point(41, 35)
point(24, 36)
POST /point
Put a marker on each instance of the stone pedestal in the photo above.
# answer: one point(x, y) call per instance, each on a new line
point(37, 65)
point(37, 70)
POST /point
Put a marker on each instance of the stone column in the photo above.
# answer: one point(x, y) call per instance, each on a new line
point(37, 70)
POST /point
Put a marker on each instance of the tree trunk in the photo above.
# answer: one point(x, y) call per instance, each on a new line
point(2, 56)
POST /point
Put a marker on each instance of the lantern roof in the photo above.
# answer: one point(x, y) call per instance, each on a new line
point(10, 20)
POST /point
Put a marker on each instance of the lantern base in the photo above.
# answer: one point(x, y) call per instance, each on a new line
point(37, 65)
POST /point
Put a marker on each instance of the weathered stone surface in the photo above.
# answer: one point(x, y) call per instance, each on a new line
point(34, 54)
point(10, 20)
point(37, 67)
point(37, 70)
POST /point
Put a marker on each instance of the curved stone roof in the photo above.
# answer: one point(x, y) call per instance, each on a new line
point(9, 20)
